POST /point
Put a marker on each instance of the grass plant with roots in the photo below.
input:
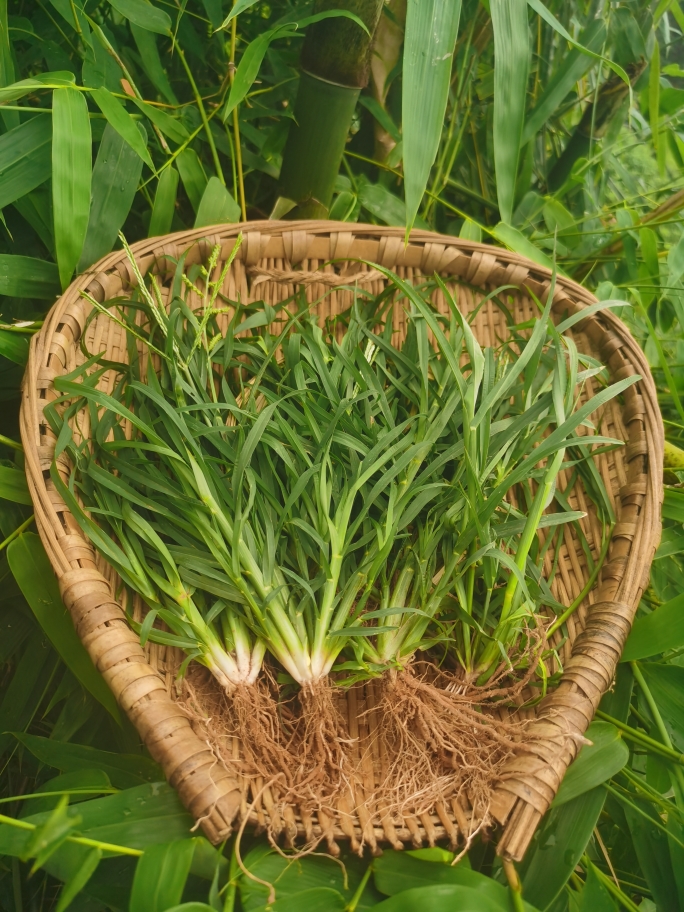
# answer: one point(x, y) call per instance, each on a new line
point(337, 500)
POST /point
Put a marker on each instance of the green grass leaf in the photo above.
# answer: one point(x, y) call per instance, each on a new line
point(430, 37)
point(512, 60)
point(33, 573)
point(71, 178)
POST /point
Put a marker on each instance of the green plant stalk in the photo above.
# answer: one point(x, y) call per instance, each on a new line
point(570, 610)
point(315, 145)
point(203, 113)
point(17, 532)
point(544, 492)
point(77, 840)
point(336, 64)
point(237, 145)
point(637, 810)
point(660, 725)
point(644, 740)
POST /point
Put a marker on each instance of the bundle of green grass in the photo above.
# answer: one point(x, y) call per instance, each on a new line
point(302, 507)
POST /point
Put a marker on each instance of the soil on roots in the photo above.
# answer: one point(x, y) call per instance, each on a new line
point(440, 744)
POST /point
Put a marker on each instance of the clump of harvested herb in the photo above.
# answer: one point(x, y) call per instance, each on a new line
point(341, 500)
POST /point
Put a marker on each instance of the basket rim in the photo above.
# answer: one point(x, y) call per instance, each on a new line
point(213, 796)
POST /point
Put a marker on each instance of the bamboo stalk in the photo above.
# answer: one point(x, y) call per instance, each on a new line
point(336, 65)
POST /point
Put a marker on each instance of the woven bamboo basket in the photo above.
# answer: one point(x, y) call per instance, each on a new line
point(275, 258)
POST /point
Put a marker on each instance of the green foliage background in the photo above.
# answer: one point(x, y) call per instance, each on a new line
point(123, 115)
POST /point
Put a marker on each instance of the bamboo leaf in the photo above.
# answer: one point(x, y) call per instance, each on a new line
point(144, 15)
point(28, 277)
point(41, 81)
point(47, 838)
point(431, 30)
point(248, 68)
point(115, 181)
point(193, 176)
point(119, 118)
point(440, 898)
point(396, 872)
point(13, 485)
point(168, 125)
point(511, 65)
point(217, 206)
point(33, 573)
point(79, 879)
point(25, 161)
point(539, 8)
point(124, 770)
point(571, 70)
point(594, 897)
point(160, 876)
point(238, 7)
point(515, 240)
point(10, 118)
point(652, 851)
point(151, 62)
point(596, 762)
point(558, 845)
point(656, 632)
point(164, 203)
point(71, 178)
point(654, 96)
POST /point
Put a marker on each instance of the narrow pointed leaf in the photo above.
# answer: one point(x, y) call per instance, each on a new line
point(431, 29)
point(511, 65)
point(115, 181)
point(71, 178)
point(122, 122)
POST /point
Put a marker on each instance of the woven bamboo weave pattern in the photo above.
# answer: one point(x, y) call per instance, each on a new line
point(325, 258)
